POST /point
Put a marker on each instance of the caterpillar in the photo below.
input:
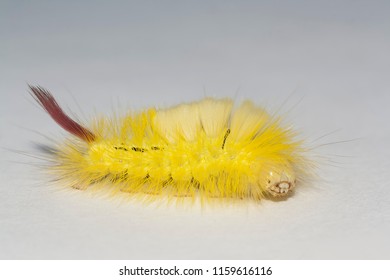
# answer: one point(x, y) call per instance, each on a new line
point(207, 149)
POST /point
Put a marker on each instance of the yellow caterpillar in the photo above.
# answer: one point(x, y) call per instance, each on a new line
point(206, 148)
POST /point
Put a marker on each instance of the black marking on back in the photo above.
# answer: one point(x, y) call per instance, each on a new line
point(225, 137)
point(138, 149)
point(121, 148)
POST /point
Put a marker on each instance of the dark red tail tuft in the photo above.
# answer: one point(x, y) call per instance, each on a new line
point(47, 102)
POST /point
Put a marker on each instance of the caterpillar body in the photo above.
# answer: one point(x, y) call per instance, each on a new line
point(206, 148)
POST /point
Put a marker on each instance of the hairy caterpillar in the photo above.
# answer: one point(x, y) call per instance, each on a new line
point(206, 148)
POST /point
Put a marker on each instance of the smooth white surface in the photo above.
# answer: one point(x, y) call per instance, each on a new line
point(134, 54)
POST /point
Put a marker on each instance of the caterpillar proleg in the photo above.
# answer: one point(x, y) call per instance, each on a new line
point(208, 148)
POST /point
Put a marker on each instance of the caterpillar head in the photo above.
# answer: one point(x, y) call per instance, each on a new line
point(280, 181)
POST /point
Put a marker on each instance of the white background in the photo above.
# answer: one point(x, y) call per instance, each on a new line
point(95, 55)
point(110, 269)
